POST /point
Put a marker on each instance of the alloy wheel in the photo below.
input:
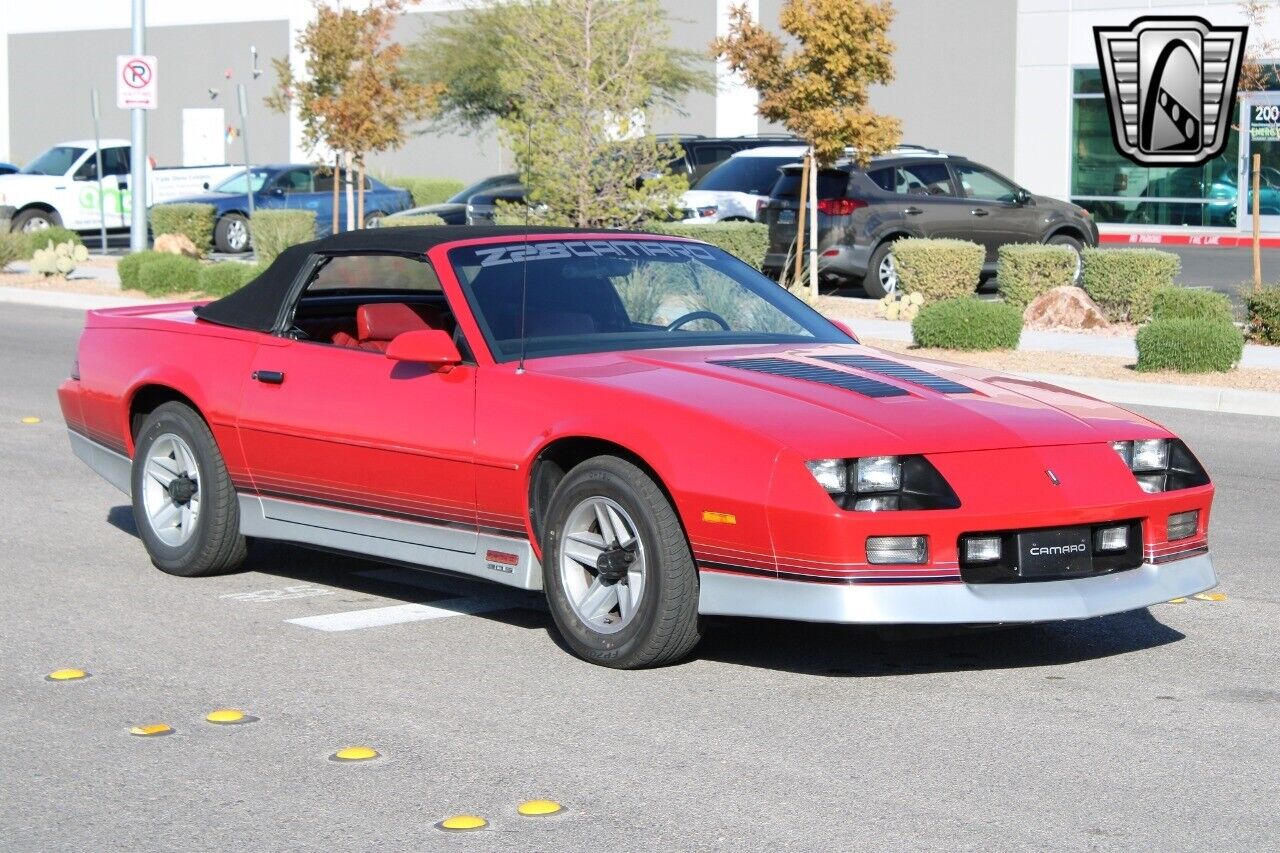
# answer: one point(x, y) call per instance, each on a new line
point(888, 273)
point(602, 565)
point(171, 490)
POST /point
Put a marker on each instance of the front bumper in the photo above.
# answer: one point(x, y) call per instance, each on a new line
point(729, 594)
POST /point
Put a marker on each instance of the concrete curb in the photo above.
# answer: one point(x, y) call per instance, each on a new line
point(73, 301)
point(1233, 401)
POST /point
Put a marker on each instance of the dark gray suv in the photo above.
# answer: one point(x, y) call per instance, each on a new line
point(913, 192)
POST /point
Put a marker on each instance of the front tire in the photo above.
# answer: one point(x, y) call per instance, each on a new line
point(184, 504)
point(1074, 245)
point(31, 221)
point(231, 235)
point(620, 580)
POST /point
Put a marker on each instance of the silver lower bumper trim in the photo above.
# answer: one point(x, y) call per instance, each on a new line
point(114, 467)
point(1045, 601)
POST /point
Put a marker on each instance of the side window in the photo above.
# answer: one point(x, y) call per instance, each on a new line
point(295, 181)
point(885, 179)
point(976, 182)
point(324, 182)
point(710, 155)
point(374, 272)
point(115, 161)
point(931, 179)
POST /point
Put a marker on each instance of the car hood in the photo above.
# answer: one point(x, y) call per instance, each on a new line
point(825, 420)
point(18, 182)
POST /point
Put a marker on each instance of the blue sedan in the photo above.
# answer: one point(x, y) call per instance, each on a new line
point(288, 187)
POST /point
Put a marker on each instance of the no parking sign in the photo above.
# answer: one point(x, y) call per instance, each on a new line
point(135, 82)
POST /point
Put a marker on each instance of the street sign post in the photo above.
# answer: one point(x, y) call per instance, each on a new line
point(97, 154)
point(137, 74)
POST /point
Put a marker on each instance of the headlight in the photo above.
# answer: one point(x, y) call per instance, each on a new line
point(880, 483)
point(1161, 464)
point(705, 212)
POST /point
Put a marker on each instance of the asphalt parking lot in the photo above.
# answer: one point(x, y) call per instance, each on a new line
point(1154, 729)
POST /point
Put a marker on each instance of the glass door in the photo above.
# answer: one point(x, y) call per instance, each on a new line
point(1261, 135)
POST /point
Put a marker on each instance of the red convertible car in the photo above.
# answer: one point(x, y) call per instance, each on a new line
point(644, 427)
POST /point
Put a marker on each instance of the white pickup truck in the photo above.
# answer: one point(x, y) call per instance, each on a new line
point(60, 186)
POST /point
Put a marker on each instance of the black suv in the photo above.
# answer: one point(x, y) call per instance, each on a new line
point(913, 192)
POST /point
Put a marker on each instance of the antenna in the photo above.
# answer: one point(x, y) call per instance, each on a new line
point(524, 262)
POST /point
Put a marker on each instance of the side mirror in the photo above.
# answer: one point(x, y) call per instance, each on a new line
point(845, 328)
point(425, 346)
point(1024, 197)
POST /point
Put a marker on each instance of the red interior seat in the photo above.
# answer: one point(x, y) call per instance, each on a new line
point(377, 324)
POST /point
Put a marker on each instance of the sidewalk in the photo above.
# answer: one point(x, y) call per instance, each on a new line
point(1117, 346)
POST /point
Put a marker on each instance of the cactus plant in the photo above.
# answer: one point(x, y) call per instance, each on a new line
point(58, 258)
point(901, 306)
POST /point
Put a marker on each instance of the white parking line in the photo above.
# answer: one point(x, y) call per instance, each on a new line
point(377, 617)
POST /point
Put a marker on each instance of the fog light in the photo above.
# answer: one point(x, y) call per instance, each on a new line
point(1151, 455)
point(878, 474)
point(882, 550)
point(1111, 540)
point(982, 549)
point(1183, 525)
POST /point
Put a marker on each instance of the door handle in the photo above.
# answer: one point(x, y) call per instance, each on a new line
point(913, 211)
point(978, 211)
point(270, 377)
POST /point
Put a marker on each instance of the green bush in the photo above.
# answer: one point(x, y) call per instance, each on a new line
point(1262, 309)
point(193, 221)
point(1026, 271)
point(273, 231)
point(130, 268)
point(41, 239)
point(938, 269)
point(226, 277)
point(164, 274)
point(410, 221)
point(1124, 281)
point(1189, 345)
point(967, 323)
point(745, 240)
point(427, 190)
point(12, 248)
point(1184, 303)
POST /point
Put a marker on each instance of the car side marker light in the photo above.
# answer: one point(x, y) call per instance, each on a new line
point(719, 517)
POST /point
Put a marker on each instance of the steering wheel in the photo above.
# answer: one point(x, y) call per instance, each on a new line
point(698, 315)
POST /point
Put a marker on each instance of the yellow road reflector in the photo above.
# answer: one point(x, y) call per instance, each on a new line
point(66, 675)
point(151, 730)
point(229, 716)
point(31, 420)
point(1210, 596)
point(1177, 601)
point(462, 823)
point(719, 517)
point(539, 808)
point(355, 753)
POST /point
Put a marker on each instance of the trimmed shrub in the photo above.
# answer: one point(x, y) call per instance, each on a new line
point(1183, 303)
point(1262, 309)
point(410, 221)
point(193, 221)
point(165, 274)
point(12, 248)
point(226, 277)
point(1124, 281)
point(938, 269)
point(427, 190)
point(1189, 346)
point(1026, 271)
point(273, 231)
point(41, 239)
point(967, 323)
point(747, 241)
point(130, 268)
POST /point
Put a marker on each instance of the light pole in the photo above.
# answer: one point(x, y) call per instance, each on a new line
point(138, 144)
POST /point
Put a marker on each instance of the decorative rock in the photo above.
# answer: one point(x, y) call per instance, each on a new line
point(176, 244)
point(1066, 307)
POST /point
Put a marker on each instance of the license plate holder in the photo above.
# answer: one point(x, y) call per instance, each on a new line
point(1059, 552)
point(786, 217)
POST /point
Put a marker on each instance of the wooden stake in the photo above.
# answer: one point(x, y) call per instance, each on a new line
point(1257, 225)
point(804, 205)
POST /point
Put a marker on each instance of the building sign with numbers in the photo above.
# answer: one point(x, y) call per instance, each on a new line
point(136, 82)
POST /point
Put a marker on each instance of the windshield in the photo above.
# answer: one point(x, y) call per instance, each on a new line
point(461, 196)
point(753, 175)
point(626, 294)
point(58, 160)
point(236, 183)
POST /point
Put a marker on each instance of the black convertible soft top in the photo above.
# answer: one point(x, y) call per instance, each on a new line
point(257, 305)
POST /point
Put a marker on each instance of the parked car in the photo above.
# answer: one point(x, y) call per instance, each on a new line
point(533, 407)
point(483, 206)
point(737, 189)
point(289, 186)
point(7, 168)
point(914, 192)
point(704, 153)
point(454, 210)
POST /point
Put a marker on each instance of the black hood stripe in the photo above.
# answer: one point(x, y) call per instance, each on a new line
point(815, 373)
point(894, 370)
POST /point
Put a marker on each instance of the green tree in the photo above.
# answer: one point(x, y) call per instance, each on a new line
point(570, 84)
point(818, 88)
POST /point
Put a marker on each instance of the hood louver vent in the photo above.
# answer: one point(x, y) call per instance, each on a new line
point(815, 373)
point(894, 370)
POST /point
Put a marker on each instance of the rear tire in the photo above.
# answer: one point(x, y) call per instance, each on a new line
point(1075, 246)
point(184, 504)
point(231, 235)
point(881, 277)
point(644, 612)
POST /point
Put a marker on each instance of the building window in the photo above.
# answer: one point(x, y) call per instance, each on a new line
point(1117, 190)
